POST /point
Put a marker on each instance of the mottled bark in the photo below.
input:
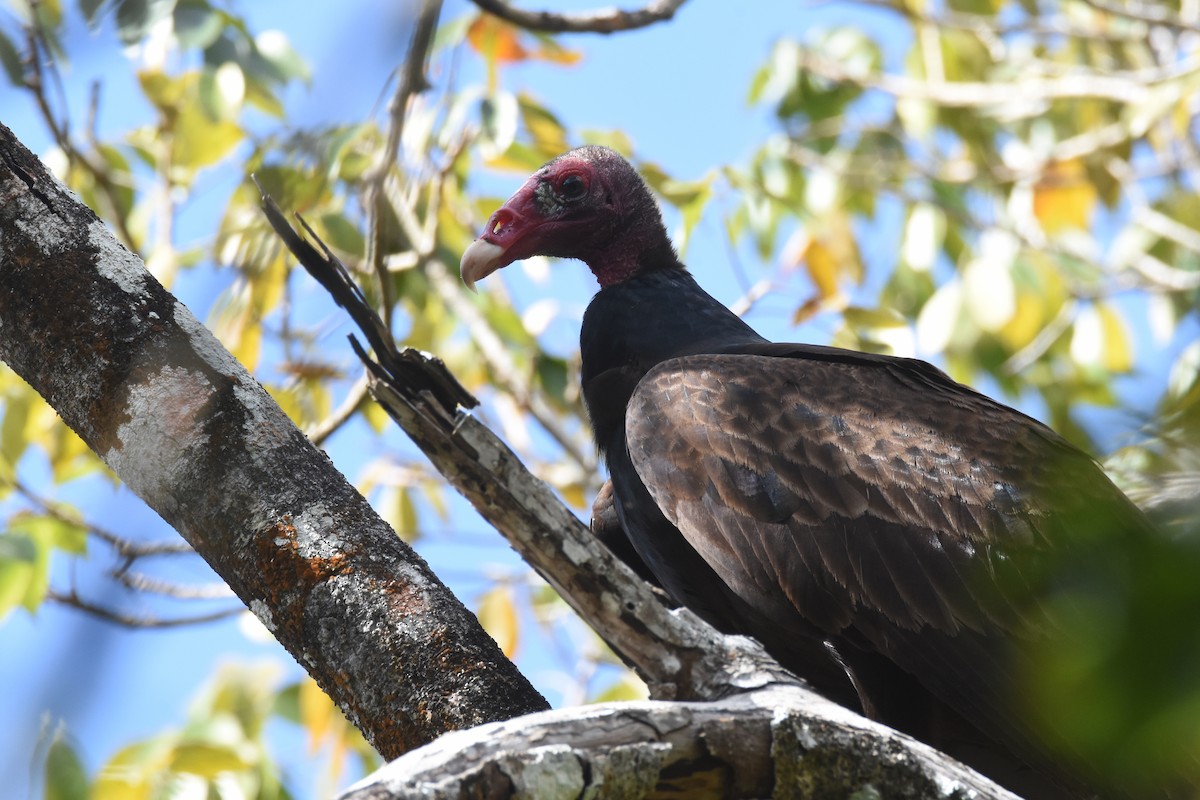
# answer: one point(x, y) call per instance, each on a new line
point(779, 742)
point(192, 433)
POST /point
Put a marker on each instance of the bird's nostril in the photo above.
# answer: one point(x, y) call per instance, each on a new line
point(501, 220)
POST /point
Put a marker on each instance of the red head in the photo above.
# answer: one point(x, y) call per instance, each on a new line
point(588, 204)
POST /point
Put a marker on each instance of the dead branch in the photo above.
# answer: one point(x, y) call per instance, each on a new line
point(605, 20)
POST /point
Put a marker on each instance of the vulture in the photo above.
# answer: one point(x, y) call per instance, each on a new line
point(877, 526)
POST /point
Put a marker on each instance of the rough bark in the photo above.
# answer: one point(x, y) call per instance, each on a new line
point(778, 742)
point(191, 432)
point(765, 734)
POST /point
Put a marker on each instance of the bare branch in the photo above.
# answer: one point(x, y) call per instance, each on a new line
point(144, 583)
point(1128, 87)
point(412, 82)
point(60, 131)
point(322, 430)
point(501, 364)
point(605, 20)
point(73, 600)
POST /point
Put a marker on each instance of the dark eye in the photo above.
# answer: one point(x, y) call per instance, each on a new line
point(572, 187)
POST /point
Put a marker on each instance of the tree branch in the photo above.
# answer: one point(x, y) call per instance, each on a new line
point(605, 20)
point(412, 82)
point(73, 600)
point(779, 742)
point(1128, 87)
point(185, 426)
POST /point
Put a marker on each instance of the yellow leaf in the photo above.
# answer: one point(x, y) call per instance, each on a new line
point(401, 514)
point(496, 40)
point(830, 257)
point(500, 42)
point(131, 774)
point(555, 53)
point(318, 714)
point(574, 495)
point(1101, 339)
point(1063, 198)
point(207, 759)
point(1118, 347)
point(498, 616)
point(199, 142)
point(1027, 321)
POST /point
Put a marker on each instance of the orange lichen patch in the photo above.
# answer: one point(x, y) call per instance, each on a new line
point(288, 576)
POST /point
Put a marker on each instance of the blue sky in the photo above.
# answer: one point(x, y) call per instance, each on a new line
point(678, 90)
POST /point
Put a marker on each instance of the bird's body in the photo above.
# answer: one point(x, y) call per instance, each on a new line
point(869, 520)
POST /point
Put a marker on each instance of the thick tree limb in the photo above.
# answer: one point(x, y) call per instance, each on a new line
point(780, 742)
point(192, 433)
point(605, 20)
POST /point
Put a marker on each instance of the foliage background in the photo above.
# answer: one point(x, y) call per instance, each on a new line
point(823, 172)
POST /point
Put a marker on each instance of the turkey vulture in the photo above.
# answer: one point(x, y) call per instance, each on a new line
point(876, 525)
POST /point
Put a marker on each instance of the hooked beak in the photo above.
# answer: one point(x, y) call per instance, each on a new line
point(506, 238)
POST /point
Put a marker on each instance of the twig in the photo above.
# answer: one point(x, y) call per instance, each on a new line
point(500, 363)
point(1127, 87)
point(605, 20)
point(412, 82)
point(144, 583)
point(992, 31)
point(322, 430)
point(1153, 15)
point(60, 131)
point(73, 600)
point(124, 547)
point(1160, 224)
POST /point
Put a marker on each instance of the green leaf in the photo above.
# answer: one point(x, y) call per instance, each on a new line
point(278, 60)
point(64, 773)
point(49, 15)
point(617, 140)
point(26, 576)
point(498, 115)
point(553, 375)
point(10, 59)
point(548, 134)
point(196, 24)
point(14, 430)
point(17, 547)
point(199, 142)
point(286, 703)
point(91, 11)
point(135, 18)
point(342, 235)
point(222, 91)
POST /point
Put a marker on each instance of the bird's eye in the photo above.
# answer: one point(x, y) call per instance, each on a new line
point(572, 187)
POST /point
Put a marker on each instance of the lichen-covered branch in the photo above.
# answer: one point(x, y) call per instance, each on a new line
point(191, 432)
point(778, 742)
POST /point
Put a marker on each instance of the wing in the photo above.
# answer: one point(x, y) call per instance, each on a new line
point(873, 497)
